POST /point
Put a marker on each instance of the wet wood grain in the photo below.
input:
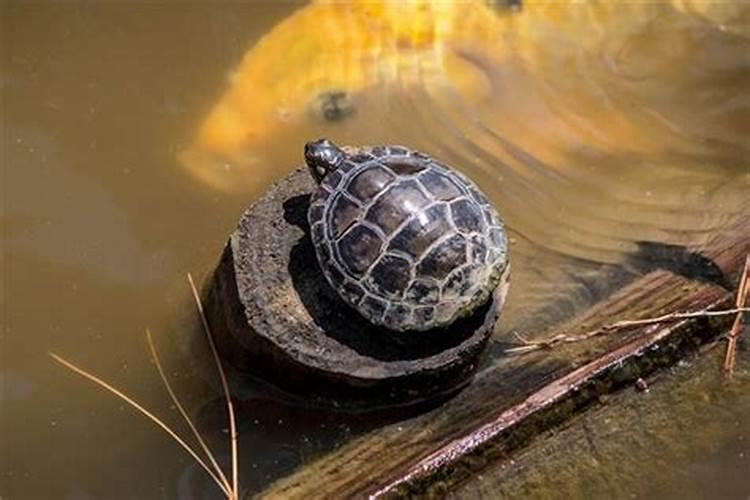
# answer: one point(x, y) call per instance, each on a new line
point(515, 398)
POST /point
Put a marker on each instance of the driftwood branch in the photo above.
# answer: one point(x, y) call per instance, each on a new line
point(743, 290)
point(535, 345)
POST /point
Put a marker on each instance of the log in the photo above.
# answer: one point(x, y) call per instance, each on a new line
point(274, 315)
point(515, 398)
point(629, 441)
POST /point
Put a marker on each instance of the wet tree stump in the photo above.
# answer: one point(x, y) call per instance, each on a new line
point(274, 315)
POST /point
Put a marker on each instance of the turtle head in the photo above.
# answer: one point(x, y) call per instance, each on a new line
point(322, 158)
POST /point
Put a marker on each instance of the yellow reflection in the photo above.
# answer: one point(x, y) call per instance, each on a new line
point(315, 70)
point(312, 62)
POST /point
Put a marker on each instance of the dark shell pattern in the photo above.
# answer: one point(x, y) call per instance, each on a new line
point(408, 242)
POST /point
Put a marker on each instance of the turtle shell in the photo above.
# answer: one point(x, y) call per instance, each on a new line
point(410, 243)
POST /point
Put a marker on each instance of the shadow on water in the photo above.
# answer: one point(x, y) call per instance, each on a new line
point(652, 255)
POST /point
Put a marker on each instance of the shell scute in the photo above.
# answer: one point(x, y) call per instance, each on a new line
point(332, 180)
point(369, 182)
point(317, 233)
point(443, 258)
point(336, 277)
point(478, 250)
point(479, 197)
point(497, 237)
point(458, 282)
point(465, 216)
point(361, 157)
point(424, 314)
point(395, 205)
point(406, 166)
point(421, 231)
point(315, 211)
point(440, 186)
point(396, 316)
point(344, 212)
point(320, 196)
point(324, 253)
point(359, 248)
point(353, 291)
point(391, 275)
point(373, 308)
point(423, 292)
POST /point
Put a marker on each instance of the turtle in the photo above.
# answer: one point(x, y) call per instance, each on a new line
point(408, 242)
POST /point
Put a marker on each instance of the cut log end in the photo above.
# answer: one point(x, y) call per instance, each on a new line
point(275, 316)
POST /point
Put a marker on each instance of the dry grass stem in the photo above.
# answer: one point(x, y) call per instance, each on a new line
point(184, 414)
point(529, 346)
point(743, 290)
point(146, 413)
point(231, 491)
point(225, 386)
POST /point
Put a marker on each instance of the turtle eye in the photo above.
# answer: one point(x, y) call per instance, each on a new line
point(321, 171)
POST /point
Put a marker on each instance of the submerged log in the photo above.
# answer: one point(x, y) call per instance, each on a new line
point(274, 315)
point(515, 398)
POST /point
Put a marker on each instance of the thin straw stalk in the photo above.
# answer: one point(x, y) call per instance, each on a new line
point(225, 386)
point(101, 383)
point(182, 411)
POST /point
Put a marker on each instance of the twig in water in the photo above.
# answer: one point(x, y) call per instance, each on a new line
point(529, 346)
point(184, 414)
point(145, 412)
point(224, 385)
point(217, 475)
point(742, 293)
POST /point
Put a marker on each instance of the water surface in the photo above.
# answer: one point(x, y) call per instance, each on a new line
point(591, 128)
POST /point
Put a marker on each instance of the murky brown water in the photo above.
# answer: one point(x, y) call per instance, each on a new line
point(591, 127)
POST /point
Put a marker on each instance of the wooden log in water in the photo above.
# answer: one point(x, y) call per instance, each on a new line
point(275, 315)
point(515, 398)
